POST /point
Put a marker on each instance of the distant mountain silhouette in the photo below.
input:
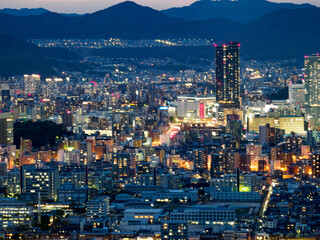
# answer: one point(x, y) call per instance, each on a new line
point(126, 20)
point(33, 12)
point(287, 33)
point(24, 11)
point(284, 33)
point(20, 57)
point(241, 10)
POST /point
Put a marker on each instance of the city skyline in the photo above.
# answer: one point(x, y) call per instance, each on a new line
point(86, 6)
point(128, 122)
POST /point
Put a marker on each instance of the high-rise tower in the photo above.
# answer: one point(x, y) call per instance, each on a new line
point(32, 84)
point(312, 78)
point(6, 129)
point(228, 74)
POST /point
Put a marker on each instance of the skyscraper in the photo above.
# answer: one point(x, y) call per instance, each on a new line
point(312, 78)
point(6, 128)
point(31, 83)
point(228, 74)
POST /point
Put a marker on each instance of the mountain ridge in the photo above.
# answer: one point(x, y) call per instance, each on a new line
point(24, 11)
point(117, 21)
point(33, 12)
point(285, 33)
point(243, 11)
point(20, 57)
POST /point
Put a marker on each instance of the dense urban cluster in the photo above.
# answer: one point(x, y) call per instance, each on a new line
point(230, 151)
point(115, 42)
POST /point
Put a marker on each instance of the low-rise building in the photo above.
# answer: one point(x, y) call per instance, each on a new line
point(205, 215)
point(135, 216)
point(14, 213)
point(172, 230)
point(70, 193)
point(170, 195)
point(98, 208)
point(227, 195)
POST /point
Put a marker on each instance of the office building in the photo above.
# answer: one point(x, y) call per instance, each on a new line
point(234, 126)
point(200, 158)
point(67, 119)
point(6, 129)
point(227, 195)
point(85, 153)
point(275, 165)
point(31, 84)
point(315, 161)
point(231, 161)
point(52, 86)
point(141, 216)
point(25, 145)
point(293, 142)
point(297, 94)
point(254, 151)
point(237, 182)
point(305, 150)
point(14, 213)
point(312, 79)
point(44, 181)
point(270, 136)
point(244, 162)
point(98, 208)
point(288, 124)
point(171, 195)
point(174, 230)
point(228, 74)
point(121, 165)
point(217, 164)
point(14, 182)
point(197, 107)
point(68, 193)
point(205, 215)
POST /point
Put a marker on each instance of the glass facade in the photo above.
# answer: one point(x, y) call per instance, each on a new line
point(312, 78)
point(228, 74)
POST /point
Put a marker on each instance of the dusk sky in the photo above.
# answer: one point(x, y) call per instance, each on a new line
point(87, 6)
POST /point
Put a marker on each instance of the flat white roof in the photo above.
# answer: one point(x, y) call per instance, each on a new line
point(133, 210)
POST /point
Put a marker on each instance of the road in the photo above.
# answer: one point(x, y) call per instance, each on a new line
point(262, 211)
